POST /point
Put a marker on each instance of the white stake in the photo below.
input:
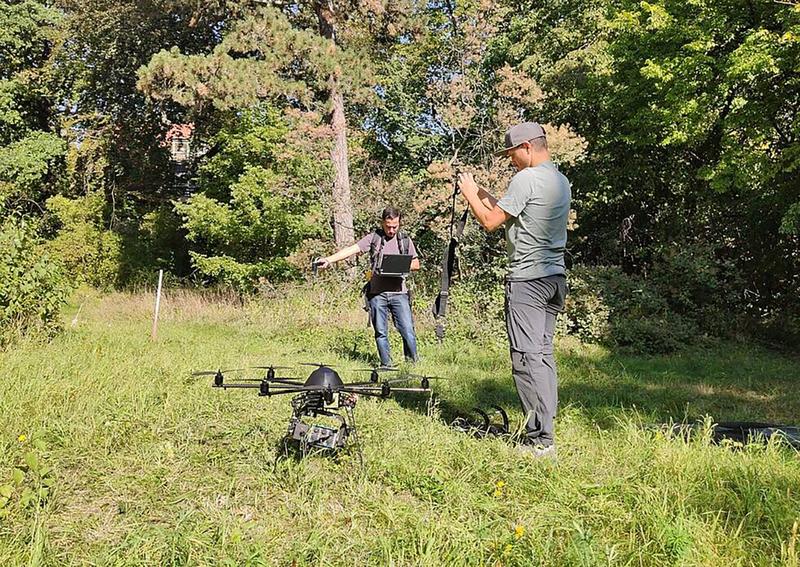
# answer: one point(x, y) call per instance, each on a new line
point(158, 305)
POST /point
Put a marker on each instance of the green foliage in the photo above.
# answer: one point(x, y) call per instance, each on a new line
point(255, 205)
point(685, 296)
point(33, 288)
point(243, 277)
point(690, 110)
point(607, 306)
point(27, 35)
point(89, 253)
point(791, 220)
point(286, 57)
point(30, 168)
point(680, 117)
point(31, 154)
point(31, 479)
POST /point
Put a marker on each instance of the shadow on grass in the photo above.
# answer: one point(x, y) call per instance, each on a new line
point(288, 451)
point(728, 382)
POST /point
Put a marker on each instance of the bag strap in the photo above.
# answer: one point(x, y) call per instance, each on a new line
point(403, 244)
point(375, 246)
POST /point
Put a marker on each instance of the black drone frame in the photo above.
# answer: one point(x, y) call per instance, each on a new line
point(322, 394)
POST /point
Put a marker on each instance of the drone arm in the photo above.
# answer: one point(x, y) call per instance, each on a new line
point(266, 388)
point(382, 391)
point(285, 382)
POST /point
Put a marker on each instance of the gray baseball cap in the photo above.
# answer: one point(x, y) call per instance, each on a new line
point(521, 133)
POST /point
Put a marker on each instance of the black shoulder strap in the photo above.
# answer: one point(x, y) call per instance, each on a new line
point(403, 242)
point(375, 247)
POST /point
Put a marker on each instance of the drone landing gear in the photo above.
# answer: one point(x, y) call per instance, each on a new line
point(315, 437)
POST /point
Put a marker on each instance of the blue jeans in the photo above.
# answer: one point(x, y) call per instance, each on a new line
point(379, 308)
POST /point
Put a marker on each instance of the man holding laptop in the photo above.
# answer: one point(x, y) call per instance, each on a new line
point(392, 257)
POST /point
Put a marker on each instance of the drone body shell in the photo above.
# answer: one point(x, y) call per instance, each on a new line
point(324, 377)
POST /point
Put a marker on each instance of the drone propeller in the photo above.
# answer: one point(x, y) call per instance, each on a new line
point(374, 373)
point(270, 375)
point(424, 380)
point(215, 372)
point(422, 376)
point(317, 364)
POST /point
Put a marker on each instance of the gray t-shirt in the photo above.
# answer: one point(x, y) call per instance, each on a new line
point(380, 284)
point(538, 200)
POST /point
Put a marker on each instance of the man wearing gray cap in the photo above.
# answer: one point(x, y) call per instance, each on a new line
point(534, 211)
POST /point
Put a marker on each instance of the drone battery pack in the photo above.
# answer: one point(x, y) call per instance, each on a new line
point(394, 265)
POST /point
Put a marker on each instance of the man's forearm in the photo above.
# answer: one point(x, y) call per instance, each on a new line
point(487, 200)
point(478, 207)
point(484, 206)
point(343, 254)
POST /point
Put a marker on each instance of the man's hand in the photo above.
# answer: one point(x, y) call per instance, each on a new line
point(466, 184)
point(483, 205)
point(323, 263)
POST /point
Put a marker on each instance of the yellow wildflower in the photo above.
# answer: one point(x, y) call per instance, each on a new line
point(500, 484)
point(22, 438)
point(519, 531)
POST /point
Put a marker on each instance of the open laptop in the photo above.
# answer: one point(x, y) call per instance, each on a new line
point(394, 265)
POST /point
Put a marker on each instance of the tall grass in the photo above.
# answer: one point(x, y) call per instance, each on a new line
point(145, 465)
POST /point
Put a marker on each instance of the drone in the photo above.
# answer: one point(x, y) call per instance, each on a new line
point(323, 393)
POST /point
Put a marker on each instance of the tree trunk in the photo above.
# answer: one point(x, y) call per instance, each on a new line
point(342, 207)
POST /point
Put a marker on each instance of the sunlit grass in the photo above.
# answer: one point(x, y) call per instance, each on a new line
point(149, 466)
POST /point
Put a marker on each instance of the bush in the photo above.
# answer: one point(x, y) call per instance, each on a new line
point(687, 294)
point(607, 306)
point(89, 253)
point(32, 287)
point(255, 206)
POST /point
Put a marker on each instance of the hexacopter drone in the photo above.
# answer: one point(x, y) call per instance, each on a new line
point(323, 393)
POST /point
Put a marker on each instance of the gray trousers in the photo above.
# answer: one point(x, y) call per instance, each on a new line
point(532, 307)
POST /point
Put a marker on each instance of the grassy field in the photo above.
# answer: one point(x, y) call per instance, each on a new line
point(112, 454)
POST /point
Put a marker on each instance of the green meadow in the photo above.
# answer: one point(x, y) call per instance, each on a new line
point(113, 454)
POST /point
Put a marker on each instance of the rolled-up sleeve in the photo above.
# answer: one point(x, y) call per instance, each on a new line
point(364, 243)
